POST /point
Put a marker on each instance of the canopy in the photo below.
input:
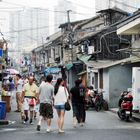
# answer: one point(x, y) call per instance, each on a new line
point(84, 58)
point(52, 70)
point(69, 66)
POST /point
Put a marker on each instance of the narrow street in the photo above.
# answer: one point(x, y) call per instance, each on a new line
point(85, 51)
point(99, 125)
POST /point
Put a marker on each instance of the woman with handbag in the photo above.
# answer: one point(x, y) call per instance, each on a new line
point(60, 98)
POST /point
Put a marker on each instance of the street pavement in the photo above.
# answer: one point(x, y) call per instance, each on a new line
point(99, 125)
point(103, 125)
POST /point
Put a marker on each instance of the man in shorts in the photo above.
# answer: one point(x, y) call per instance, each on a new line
point(46, 91)
point(29, 96)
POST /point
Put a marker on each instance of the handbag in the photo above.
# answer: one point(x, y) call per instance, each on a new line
point(67, 104)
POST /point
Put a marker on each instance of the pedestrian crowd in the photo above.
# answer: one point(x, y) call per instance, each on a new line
point(31, 99)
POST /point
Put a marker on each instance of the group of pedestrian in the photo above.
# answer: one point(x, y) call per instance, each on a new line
point(50, 97)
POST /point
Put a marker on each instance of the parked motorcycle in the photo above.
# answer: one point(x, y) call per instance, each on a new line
point(89, 102)
point(99, 102)
point(95, 100)
point(125, 106)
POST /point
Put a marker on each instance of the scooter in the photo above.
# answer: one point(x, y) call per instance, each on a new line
point(89, 103)
point(125, 106)
point(95, 100)
point(98, 101)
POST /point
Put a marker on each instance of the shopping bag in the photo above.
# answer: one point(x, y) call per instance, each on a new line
point(32, 102)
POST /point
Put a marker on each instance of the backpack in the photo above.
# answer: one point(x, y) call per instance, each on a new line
point(82, 91)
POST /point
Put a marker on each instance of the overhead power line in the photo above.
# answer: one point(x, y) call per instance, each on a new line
point(125, 4)
point(55, 11)
point(29, 29)
point(77, 4)
point(63, 12)
point(15, 4)
point(9, 7)
point(80, 5)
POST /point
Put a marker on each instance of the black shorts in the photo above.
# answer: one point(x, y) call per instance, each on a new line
point(46, 110)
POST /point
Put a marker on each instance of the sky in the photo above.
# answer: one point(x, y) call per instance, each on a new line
point(85, 8)
point(82, 6)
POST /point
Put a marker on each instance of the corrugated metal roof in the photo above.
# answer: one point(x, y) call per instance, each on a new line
point(106, 64)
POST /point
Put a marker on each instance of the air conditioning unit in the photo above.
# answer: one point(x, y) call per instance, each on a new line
point(91, 49)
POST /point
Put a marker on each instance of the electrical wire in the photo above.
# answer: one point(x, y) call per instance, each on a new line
point(122, 3)
point(77, 4)
point(29, 29)
point(1, 8)
point(84, 14)
point(108, 49)
point(80, 5)
point(63, 12)
point(55, 11)
point(15, 4)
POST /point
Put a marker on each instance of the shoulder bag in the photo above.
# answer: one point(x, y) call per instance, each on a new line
point(67, 104)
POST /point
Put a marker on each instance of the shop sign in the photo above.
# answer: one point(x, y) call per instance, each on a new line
point(1, 52)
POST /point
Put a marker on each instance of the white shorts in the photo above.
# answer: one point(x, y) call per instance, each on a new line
point(26, 105)
point(37, 108)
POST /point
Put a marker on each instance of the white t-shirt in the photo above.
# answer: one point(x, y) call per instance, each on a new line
point(60, 97)
point(20, 84)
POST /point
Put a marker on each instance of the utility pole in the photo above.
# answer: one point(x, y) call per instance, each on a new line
point(70, 33)
point(68, 18)
point(43, 52)
point(63, 72)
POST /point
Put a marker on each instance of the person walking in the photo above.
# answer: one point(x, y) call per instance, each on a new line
point(46, 91)
point(78, 100)
point(11, 86)
point(60, 97)
point(29, 96)
point(19, 87)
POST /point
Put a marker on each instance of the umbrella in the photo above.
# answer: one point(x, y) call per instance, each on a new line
point(6, 77)
point(12, 71)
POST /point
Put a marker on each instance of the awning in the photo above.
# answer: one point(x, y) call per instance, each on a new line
point(69, 66)
point(130, 26)
point(84, 58)
point(12, 71)
point(52, 70)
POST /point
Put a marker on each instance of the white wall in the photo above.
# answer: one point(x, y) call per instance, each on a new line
point(106, 84)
